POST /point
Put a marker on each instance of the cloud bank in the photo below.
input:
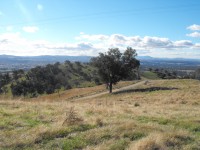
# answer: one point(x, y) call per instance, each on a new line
point(85, 44)
point(147, 42)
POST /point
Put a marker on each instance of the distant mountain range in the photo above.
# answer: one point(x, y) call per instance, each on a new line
point(57, 58)
point(9, 62)
point(41, 59)
point(172, 59)
point(169, 63)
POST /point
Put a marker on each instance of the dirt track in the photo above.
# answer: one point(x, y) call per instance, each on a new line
point(114, 91)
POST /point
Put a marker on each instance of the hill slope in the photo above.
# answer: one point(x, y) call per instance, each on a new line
point(159, 114)
point(49, 79)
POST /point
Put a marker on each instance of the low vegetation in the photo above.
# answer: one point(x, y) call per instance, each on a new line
point(163, 118)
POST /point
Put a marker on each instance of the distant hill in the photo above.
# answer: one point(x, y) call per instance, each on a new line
point(169, 63)
point(45, 58)
point(58, 58)
point(9, 62)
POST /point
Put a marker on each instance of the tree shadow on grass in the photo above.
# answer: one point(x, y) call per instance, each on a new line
point(150, 89)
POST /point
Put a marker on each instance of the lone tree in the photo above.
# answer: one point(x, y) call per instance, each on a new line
point(114, 66)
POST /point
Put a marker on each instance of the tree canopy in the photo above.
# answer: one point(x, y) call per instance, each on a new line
point(114, 66)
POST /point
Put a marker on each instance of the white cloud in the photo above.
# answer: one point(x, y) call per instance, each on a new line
point(194, 34)
point(39, 7)
point(197, 46)
point(183, 44)
point(155, 42)
point(147, 42)
point(30, 29)
point(15, 44)
point(194, 27)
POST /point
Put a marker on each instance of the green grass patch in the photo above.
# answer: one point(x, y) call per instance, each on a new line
point(119, 145)
point(64, 132)
point(33, 122)
point(50, 135)
point(98, 137)
point(4, 124)
point(161, 121)
point(4, 114)
point(77, 142)
point(185, 124)
point(150, 75)
point(189, 125)
point(106, 137)
point(134, 135)
point(82, 127)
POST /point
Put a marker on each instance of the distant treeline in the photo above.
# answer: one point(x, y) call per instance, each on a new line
point(171, 74)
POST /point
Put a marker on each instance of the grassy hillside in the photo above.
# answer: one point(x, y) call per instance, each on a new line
point(49, 79)
point(52, 78)
point(149, 75)
point(159, 114)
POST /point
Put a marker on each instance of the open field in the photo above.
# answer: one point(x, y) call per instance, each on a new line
point(157, 115)
point(150, 75)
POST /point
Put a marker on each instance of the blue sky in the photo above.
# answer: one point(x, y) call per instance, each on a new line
point(155, 28)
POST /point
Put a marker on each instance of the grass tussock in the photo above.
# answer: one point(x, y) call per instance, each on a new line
point(166, 141)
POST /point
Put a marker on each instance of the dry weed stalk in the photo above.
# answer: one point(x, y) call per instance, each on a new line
point(99, 122)
point(72, 117)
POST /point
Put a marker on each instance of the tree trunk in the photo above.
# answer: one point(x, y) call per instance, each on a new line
point(110, 86)
point(59, 93)
point(138, 73)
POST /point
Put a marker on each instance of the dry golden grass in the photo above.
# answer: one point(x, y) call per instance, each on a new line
point(80, 92)
point(161, 118)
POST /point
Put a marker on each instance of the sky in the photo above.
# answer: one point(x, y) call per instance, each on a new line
point(156, 28)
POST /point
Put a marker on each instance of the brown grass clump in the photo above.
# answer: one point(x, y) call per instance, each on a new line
point(176, 140)
point(162, 141)
point(148, 143)
point(72, 118)
point(99, 122)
